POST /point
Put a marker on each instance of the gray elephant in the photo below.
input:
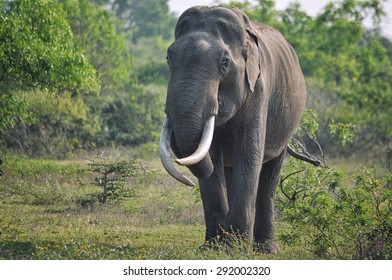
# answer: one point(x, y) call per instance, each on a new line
point(235, 95)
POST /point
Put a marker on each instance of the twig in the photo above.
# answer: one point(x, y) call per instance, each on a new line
point(320, 149)
point(291, 198)
point(389, 158)
point(330, 239)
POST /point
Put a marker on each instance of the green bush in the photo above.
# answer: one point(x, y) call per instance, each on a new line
point(330, 213)
point(334, 215)
point(59, 124)
point(111, 177)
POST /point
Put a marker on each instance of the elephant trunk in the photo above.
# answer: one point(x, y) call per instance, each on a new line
point(199, 162)
point(190, 129)
point(191, 146)
point(204, 145)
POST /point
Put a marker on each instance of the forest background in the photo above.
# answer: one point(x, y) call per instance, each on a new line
point(80, 75)
point(86, 74)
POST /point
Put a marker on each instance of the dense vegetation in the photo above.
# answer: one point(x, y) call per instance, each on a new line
point(80, 75)
point(85, 74)
point(73, 75)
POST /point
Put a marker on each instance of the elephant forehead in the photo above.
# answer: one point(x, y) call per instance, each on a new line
point(195, 40)
point(218, 21)
point(193, 45)
point(203, 45)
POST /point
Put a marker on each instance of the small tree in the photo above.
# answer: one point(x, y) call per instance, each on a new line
point(112, 176)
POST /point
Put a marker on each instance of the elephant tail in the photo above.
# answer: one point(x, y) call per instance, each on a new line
point(293, 153)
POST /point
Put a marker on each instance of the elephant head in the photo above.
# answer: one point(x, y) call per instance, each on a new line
point(215, 53)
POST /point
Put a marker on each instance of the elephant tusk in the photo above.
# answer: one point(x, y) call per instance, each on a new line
point(204, 146)
point(164, 145)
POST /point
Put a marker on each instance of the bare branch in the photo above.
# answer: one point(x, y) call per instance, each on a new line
point(321, 151)
point(293, 197)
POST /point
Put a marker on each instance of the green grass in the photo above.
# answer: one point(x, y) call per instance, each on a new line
point(39, 232)
point(42, 217)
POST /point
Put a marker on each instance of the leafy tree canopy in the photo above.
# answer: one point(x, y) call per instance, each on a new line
point(37, 49)
point(148, 18)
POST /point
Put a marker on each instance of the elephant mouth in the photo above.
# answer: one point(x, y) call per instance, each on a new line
point(198, 156)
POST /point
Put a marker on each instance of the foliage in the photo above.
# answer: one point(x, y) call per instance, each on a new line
point(309, 124)
point(333, 218)
point(136, 119)
point(150, 67)
point(111, 177)
point(332, 214)
point(129, 106)
point(58, 124)
point(107, 50)
point(119, 46)
point(37, 49)
point(149, 18)
point(343, 132)
point(39, 127)
point(12, 108)
point(99, 34)
point(346, 67)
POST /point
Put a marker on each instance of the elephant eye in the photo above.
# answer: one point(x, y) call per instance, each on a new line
point(169, 55)
point(225, 65)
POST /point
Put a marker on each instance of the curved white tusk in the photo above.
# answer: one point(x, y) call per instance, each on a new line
point(204, 146)
point(164, 145)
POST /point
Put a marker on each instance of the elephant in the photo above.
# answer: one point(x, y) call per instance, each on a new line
point(235, 95)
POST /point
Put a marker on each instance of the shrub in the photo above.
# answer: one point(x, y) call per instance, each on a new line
point(330, 213)
point(111, 177)
point(334, 215)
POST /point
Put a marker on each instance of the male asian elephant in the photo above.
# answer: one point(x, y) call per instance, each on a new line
point(236, 93)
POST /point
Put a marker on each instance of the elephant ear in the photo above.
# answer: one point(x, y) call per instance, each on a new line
point(253, 69)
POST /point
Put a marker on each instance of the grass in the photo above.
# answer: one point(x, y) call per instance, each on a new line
point(98, 234)
point(42, 217)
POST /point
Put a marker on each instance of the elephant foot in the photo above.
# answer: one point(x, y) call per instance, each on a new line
point(209, 245)
point(267, 247)
point(213, 246)
point(226, 242)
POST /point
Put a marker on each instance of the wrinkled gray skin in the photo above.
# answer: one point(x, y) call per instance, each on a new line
point(249, 77)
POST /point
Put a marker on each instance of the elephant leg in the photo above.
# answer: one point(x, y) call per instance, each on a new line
point(214, 197)
point(264, 222)
point(229, 176)
point(242, 188)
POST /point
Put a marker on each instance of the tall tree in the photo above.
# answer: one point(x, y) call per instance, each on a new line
point(37, 51)
point(147, 18)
